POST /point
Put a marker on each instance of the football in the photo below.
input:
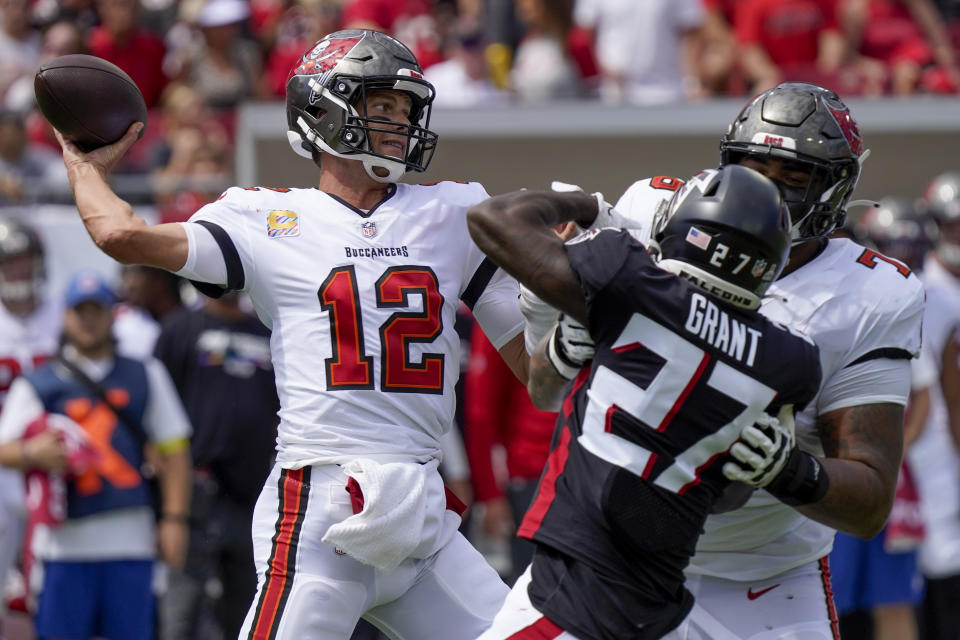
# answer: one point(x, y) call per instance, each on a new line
point(90, 101)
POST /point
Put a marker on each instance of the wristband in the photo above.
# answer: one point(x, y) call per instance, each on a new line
point(802, 481)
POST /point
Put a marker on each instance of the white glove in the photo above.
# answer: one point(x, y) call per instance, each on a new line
point(607, 216)
point(762, 450)
point(539, 316)
point(570, 347)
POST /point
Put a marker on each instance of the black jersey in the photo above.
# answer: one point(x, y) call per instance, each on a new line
point(637, 453)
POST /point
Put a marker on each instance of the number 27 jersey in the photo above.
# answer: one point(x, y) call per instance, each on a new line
point(635, 461)
point(362, 307)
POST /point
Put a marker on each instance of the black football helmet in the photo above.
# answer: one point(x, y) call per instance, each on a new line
point(728, 231)
point(941, 201)
point(326, 101)
point(21, 282)
point(897, 230)
point(809, 125)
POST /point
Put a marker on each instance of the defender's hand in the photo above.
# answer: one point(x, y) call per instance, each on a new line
point(761, 453)
point(570, 347)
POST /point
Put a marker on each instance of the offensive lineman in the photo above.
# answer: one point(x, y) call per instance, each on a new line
point(635, 463)
point(760, 572)
point(359, 280)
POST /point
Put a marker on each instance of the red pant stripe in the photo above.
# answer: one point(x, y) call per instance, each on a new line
point(542, 629)
point(828, 594)
point(294, 488)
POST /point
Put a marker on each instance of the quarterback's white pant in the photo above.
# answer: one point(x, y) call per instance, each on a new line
point(796, 605)
point(520, 620)
point(315, 592)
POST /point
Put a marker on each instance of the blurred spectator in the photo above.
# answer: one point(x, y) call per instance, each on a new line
point(305, 22)
point(81, 13)
point(503, 32)
point(59, 39)
point(190, 163)
point(877, 583)
point(410, 21)
point(138, 52)
point(29, 330)
point(154, 290)
point(498, 412)
point(28, 174)
point(897, 230)
point(213, 353)
point(785, 40)
point(20, 44)
point(645, 49)
point(934, 456)
point(716, 57)
point(543, 69)
point(462, 80)
point(224, 67)
point(98, 545)
point(148, 295)
point(908, 39)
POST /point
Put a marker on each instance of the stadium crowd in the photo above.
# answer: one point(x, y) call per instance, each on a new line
point(196, 60)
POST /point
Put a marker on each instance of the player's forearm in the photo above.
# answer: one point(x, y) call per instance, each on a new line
point(108, 219)
point(516, 231)
point(176, 483)
point(863, 447)
point(858, 501)
point(545, 385)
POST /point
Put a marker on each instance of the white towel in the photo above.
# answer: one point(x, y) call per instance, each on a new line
point(390, 526)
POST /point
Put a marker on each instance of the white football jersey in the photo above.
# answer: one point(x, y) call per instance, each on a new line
point(933, 455)
point(362, 307)
point(857, 306)
point(27, 342)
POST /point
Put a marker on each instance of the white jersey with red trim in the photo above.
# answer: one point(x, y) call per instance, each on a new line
point(934, 455)
point(362, 307)
point(858, 306)
point(27, 342)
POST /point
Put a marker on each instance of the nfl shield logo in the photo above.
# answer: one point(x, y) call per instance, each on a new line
point(758, 267)
point(369, 229)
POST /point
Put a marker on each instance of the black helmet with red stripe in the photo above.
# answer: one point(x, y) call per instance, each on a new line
point(811, 127)
point(326, 101)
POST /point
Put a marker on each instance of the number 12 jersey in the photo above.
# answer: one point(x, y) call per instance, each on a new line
point(362, 307)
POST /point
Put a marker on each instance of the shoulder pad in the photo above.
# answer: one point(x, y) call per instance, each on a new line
point(453, 191)
point(641, 199)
